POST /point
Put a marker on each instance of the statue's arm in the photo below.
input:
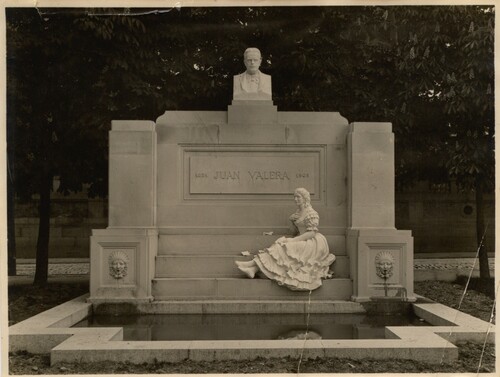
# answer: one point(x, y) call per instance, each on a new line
point(293, 228)
point(303, 237)
point(311, 222)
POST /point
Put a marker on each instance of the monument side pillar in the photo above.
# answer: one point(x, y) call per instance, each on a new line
point(132, 174)
point(381, 257)
point(122, 256)
point(371, 173)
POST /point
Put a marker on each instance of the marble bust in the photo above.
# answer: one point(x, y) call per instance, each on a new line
point(252, 84)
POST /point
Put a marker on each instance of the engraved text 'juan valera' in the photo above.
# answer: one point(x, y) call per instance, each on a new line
point(255, 175)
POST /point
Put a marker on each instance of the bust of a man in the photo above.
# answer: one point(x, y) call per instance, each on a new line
point(252, 84)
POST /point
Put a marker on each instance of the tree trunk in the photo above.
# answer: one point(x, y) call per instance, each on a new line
point(42, 246)
point(484, 268)
point(11, 226)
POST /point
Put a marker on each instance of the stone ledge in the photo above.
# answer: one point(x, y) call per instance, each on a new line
point(430, 348)
point(251, 307)
point(132, 125)
point(202, 289)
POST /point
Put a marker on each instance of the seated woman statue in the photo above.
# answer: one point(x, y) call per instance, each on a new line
point(298, 263)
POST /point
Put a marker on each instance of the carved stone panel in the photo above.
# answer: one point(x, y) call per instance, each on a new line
point(121, 265)
point(227, 173)
point(385, 262)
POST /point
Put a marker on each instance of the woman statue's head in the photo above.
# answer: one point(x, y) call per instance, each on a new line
point(304, 194)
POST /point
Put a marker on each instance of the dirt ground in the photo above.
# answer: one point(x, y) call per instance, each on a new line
point(25, 301)
point(475, 303)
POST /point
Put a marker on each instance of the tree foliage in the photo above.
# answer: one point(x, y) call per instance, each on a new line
point(444, 79)
point(427, 69)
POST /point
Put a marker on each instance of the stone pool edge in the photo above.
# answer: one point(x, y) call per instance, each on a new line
point(50, 332)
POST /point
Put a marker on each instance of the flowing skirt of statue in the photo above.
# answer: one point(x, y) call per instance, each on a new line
point(299, 265)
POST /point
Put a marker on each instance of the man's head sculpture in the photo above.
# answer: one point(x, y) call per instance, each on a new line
point(384, 264)
point(118, 264)
point(252, 59)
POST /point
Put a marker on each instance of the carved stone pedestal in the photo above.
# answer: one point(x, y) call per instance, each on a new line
point(122, 265)
point(256, 112)
point(381, 264)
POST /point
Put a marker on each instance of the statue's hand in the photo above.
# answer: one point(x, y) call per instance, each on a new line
point(283, 240)
point(280, 240)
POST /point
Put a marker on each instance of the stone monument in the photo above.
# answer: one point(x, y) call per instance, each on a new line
point(191, 191)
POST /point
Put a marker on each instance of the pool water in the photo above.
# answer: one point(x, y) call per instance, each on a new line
point(251, 326)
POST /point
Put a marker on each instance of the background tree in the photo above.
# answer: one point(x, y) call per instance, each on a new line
point(64, 80)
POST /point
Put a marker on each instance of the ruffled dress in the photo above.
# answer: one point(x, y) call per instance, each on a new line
point(299, 265)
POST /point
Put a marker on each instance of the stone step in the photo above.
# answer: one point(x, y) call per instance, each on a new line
point(229, 244)
point(252, 307)
point(212, 266)
point(168, 289)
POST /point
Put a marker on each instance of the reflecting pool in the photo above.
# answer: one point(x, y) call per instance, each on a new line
point(251, 326)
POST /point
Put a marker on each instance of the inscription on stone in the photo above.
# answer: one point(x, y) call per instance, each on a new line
point(222, 173)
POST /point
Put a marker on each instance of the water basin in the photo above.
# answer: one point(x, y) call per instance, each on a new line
point(251, 326)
